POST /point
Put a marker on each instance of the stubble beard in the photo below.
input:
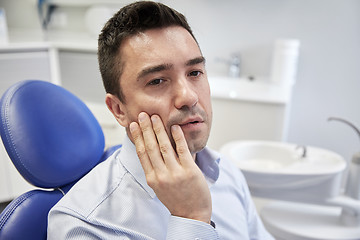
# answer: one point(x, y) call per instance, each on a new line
point(196, 140)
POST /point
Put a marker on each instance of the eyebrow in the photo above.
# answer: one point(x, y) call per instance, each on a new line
point(164, 67)
point(154, 69)
point(195, 61)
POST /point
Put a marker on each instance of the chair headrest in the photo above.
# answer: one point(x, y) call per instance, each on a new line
point(50, 135)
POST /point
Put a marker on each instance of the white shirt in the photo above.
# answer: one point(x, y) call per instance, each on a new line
point(113, 201)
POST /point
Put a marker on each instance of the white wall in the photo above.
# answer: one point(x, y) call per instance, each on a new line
point(328, 82)
point(21, 13)
point(328, 74)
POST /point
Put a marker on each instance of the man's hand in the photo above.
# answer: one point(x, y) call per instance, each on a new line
point(175, 178)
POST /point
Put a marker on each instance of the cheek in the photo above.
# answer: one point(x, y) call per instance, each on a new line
point(151, 106)
point(205, 98)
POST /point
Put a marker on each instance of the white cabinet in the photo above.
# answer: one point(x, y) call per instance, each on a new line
point(80, 74)
point(12, 184)
point(235, 120)
point(5, 185)
point(248, 110)
point(16, 65)
point(76, 70)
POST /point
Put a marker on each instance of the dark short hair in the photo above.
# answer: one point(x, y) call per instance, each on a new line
point(128, 21)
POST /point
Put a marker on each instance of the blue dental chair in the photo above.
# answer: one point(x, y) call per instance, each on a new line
point(53, 140)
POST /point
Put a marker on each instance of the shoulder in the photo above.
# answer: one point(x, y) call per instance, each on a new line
point(231, 172)
point(93, 188)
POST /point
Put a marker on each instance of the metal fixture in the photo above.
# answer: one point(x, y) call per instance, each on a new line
point(234, 65)
point(353, 181)
point(304, 153)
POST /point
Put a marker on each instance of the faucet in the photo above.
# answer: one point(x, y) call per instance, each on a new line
point(45, 11)
point(234, 65)
point(350, 202)
point(234, 69)
point(304, 152)
point(353, 182)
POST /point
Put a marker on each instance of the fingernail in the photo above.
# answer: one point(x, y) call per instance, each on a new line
point(154, 119)
point(174, 127)
point(142, 117)
point(132, 127)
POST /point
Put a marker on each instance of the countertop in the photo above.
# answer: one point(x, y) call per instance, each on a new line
point(241, 89)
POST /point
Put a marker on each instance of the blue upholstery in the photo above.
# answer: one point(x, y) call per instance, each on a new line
point(53, 140)
point(26, 216)
point(40, 121)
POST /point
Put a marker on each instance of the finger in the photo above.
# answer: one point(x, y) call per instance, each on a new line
point(166, 149)
point(181, 145)
point(151, 143)
point(140, 147)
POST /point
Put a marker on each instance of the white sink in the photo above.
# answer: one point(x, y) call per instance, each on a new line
point(279, 171)
point(259, 90)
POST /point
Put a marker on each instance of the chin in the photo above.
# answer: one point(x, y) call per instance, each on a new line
point(197, 142)
point(195, 147)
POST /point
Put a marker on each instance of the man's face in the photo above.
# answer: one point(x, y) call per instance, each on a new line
point(164, 74)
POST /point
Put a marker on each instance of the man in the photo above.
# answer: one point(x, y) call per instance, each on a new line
point(163, 183)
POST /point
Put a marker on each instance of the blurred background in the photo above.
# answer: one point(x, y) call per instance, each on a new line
point(328, 74)
point(62, 35)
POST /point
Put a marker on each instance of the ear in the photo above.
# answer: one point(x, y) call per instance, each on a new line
point(117, 108)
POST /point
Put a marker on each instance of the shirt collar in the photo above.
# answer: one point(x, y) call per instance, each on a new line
point(207, 160)
point(131, 162)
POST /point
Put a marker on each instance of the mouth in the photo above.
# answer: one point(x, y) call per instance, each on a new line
point(192, 121)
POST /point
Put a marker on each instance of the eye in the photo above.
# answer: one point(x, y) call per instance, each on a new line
point(156, 81)
point(195, 73)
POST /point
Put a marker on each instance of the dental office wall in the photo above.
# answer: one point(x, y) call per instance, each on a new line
point(328, 79)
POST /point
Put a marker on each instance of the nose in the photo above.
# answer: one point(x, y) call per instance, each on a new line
point(185, 94)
